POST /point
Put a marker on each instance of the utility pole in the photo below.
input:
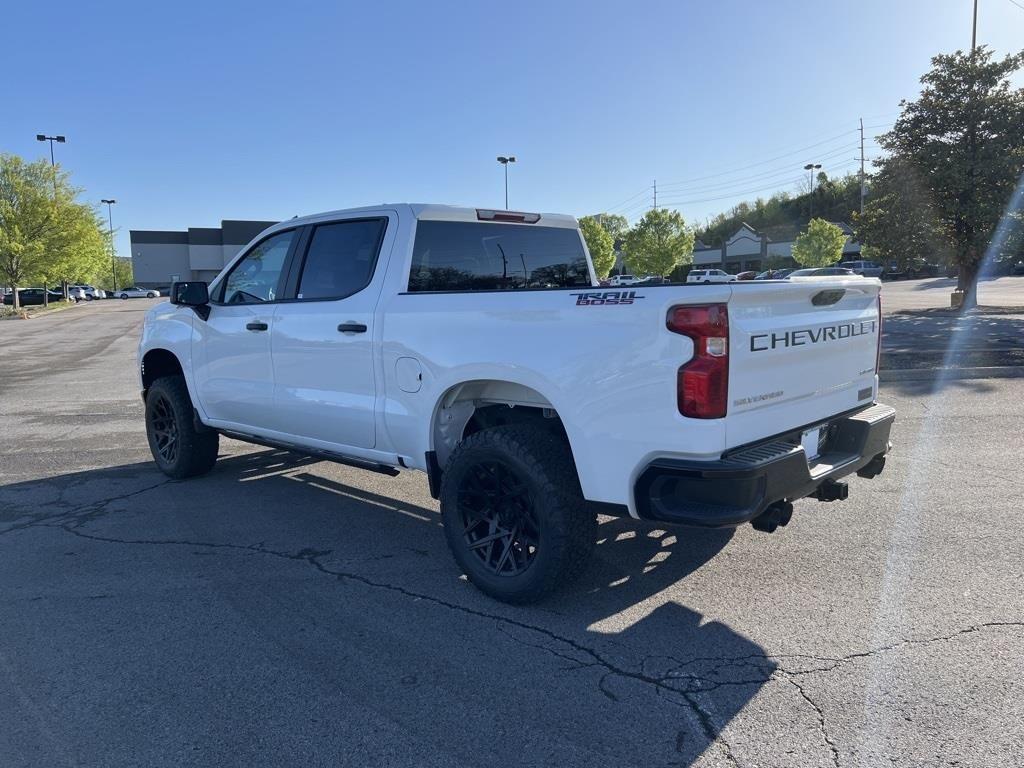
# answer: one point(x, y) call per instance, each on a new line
point(974, 29)
point(53, 164)
point(505, 161)
point(811, 168)
point(113, 257)
point(862, 178)
point(655, 194)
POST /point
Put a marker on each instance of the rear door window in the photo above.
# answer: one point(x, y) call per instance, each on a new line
point(340, 259)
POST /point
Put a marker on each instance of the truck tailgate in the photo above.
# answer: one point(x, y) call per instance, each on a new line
point(800, 351)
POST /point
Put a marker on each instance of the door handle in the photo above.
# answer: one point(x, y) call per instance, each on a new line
point(352, 328)
point(256, 326)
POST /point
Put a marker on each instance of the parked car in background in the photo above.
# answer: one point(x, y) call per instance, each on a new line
point(91, 292)
point(863, 268)
point(823, 272)
point(76, 294)
point(135, 292)
point(923, 270)
point(709, 276)
point(623, 280)
point(28, 297)
point(654, 280)
point(748, 275)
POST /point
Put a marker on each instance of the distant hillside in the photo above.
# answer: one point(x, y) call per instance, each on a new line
point(781, 216)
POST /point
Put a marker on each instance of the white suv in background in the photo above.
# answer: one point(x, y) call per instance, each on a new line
point(624, 280)
point(863, 268)
point(709, 276)
point(91, 292)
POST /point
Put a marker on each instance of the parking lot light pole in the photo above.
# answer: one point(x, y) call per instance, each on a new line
point(53, 164)
point(113, 258)
point(811, 168)
point(505, 161)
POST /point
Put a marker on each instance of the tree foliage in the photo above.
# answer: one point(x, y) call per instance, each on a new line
point(46, 235)
point(600, 244)
point(954, 158)
point(834, 199)
point(658, 243)
point(820, 245)
point(615, 225)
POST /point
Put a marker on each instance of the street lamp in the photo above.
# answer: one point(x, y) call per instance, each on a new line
point(110, 223)
point(53, 165)
point(811, 168)
point(505, 161)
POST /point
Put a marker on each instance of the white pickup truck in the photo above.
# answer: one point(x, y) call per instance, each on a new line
point(475, 345)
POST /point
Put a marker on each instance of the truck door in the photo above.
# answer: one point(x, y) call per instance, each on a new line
point(324, 378)
point(231, 355)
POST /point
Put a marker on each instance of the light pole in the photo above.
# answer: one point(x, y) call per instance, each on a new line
point(113, 258)
point(505, 161)
point(53, 165)
point(811, 168)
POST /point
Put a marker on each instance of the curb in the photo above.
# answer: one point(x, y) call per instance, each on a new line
point(933, 374)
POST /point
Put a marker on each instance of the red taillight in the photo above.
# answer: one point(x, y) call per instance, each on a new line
point(878, 350)
point(702, 384)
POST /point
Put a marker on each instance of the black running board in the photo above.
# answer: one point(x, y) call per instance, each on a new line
point(319, 453)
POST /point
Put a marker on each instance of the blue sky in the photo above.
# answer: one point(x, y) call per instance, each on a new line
point(191, 112)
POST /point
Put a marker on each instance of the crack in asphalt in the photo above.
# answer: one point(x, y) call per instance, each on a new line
point(821, 720)
point(679, 682)
point(81, 514)
point(586, 657)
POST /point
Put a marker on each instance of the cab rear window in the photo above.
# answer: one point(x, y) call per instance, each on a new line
point(478, 256)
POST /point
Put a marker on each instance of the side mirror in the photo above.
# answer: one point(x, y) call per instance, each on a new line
point(193, 294)
point(190, 294)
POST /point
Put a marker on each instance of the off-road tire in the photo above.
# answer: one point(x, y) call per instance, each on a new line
point(169, 408)
point(540, 459)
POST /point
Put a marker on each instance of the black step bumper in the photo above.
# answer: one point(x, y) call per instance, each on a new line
point(743, 483)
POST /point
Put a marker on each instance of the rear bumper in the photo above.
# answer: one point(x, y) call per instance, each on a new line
point(742, 484)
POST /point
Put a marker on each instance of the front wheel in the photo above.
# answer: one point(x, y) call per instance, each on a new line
point(179, 448)
point(514, 516)
point(150, 295)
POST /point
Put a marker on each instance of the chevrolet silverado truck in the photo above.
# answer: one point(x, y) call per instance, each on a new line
point(477, 346)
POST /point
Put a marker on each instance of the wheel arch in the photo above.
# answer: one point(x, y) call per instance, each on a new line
point(469, 406)
point(156, 363)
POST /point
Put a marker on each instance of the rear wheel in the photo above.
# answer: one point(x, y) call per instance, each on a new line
point(179, 449)
point(124, 295)
point(514, 516)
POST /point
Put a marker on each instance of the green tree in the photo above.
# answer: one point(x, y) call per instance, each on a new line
point(960, 146)
point(600, 244)
point(123, 269)
point(45, 234)
point(820, 245)
point(899, 226)
point(613, 224)
point(658, 243)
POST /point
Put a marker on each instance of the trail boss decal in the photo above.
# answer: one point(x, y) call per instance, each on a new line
point(606, 298)
point(761, 342)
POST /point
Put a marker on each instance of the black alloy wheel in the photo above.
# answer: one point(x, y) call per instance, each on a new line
point(164, 428)
point(499, 518)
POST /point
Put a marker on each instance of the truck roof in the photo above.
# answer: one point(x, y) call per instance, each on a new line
point(431, 211)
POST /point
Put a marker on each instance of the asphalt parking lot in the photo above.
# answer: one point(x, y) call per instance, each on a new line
point(287, 611)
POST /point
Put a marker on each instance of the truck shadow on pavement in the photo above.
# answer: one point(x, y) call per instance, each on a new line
point(643, 661)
